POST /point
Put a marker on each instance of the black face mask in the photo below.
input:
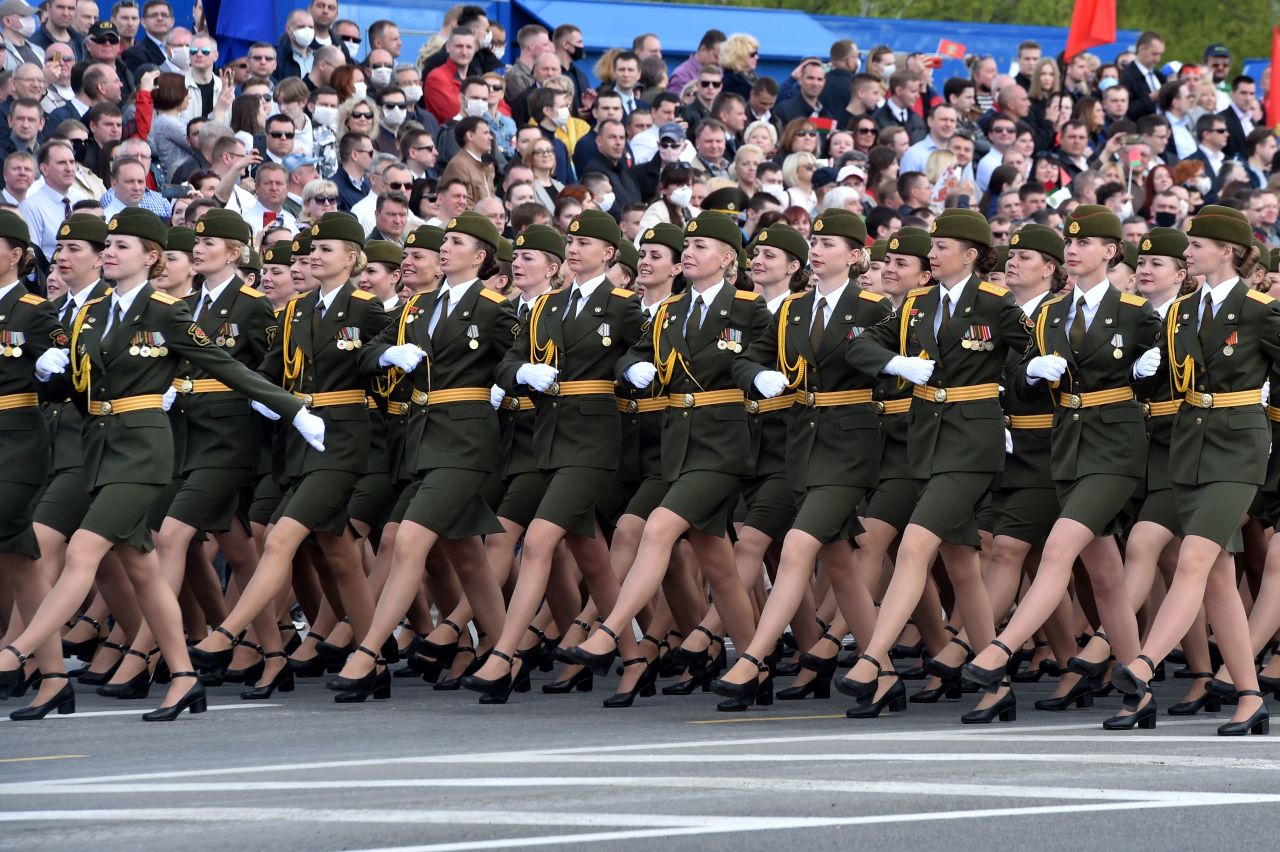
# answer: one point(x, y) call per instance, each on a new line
point(1166, 220)
point(79, 147)
point(578, 53)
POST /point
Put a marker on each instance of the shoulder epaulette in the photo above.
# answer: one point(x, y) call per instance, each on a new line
point(1260, 297)
point(252, 293)
point(793, 296)
point(622, 293)
point(164, 298)
point(993, 289)
point(870, 297)
point(919, 291)
point(32, 299)
point(95, 301)
point(363, 295)
point(553, 292)
point(747, 295)
point(486, 293)
point(1132, 299)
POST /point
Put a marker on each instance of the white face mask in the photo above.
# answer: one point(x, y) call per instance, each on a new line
point(181, 60)
point(27, 26)
point(1127, 210)
point(681, 196)
point(303, 36)
point(381, 76)
point(607, 202)
point(359, 91)
point(887, 70)
point(477, 106)
point(393, 116)
point(413, 93)
point(562, 117)
point(487, 41)
point(353, 47)
point(325, 115)
point(777, 190)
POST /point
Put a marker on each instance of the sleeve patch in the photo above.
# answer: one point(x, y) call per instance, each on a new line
point(59, 338)
point(198, 336)
point(272, 330)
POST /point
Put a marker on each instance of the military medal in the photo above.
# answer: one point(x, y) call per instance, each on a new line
point(473, 332)
point(232, 331)
point(604, 330)
point(1118, 342)
point(1229, 347)
point(158, 349)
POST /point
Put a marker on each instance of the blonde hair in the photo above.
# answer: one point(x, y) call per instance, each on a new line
point(937, 163)
point(344, 112)
point(736, 50)
point(149, 246)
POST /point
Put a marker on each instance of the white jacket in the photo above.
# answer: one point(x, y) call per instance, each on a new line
point(194, 106)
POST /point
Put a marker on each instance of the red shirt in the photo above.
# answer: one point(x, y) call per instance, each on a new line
point(441, 88)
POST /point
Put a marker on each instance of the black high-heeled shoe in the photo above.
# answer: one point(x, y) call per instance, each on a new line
point(1143, 719)
point(582, 680)
point(1269, 684)
point(699, 680)
point(207, 660)
point(92, 678)
point(1222, 689)
point(283, 681)
point(194, 699)
point(894, 699)
point(438, 650)
point(64, 702)
point(644, 686)
point(1081, 695)
point(857, 688)
point(695, 660)
point(763, 697)
point(379, 687)
point(819, 688)
point(1091, 670)
point(495, 691)
point(740, 691)
point(11, 680)
point(598, 663)
point(83, 650)
point(1208, 702)
point(946, 690)
point(987, 679)
point(294, 642)
point(1006, 710)
point(1258, 724)
point(821, 665)
point(951, 673)
point(251, 673)
point(447, 683)
point(357, 684)
point(1123, 679)
point(136, 687)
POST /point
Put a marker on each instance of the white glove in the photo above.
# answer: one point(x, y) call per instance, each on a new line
point(496, 396)
point(640, 374)
point(1266, 392)
point(52, 361)
point(770, 383)
point(311, 428)
point(1008, 442)
point(537, 376)
point(1047, 367)
point(406, 356)
point(1147, 364)
point(915, 370)
point(169, 396)
point(263, 410)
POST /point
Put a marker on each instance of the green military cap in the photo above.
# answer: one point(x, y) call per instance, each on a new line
point(1263, 252)
point(665, 234)
point(84, 226)
point(474, 225)
point(1215, 222)
point(425, 237)
point(783, 236)
point(12, 227)
point(961, 224)
point(254, 262)
point(301, 246)
point(1166, 242)
point(1128, 254)
point(1093, 220)
point(140, 223)
point(717, 226)
point(1002, 257)
point(224, 224)
point(877, 250)
point(506, 251)
point(544, 238)
point(383, 251)
point(338, 226)
point(628, 255)
point(911, 241)
point(729, 200)
point(1039, 238)
point(596, 224)
point(180, 239)
point(1273, 260)
point(280, 252)
point(840, 224)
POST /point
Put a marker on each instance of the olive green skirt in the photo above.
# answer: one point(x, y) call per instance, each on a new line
point(118, 512)
point(948, 506)
point(647, 497)
point(1214, 511)
point(17, 505)
point(209, 498)
point(704, 498)
point(570, 497)
point(1161, 508)
point(448, 502)
point(64, 501)
point(1025, 514)
point(521, 498)
point(770, 503)
point(1098, 501)
point(893, 501)
point(830, 512)
point(318, 500)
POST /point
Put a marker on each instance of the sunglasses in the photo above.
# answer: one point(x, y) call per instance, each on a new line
point(382, 65)
point(1002, 130)
point(806, 133)
point(423, 148)
point(710, 84)
point(364, 115)
point(400, 186)
point(670, 143)
point(393, 105)
point(109, 38)
point(544, 152)
point(325, 199)
point(868, 130)
point(495, 87)
point(202, 50)
point(1218, 130)
point(282, 134)
point(753, 54)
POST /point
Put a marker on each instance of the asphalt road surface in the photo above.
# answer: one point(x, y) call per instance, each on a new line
point(434, 771)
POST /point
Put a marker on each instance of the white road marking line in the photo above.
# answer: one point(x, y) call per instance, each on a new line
point(92, 714)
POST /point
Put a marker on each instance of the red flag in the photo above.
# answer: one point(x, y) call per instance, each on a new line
point(951, 49)
point(1093, 22)
point(1273, 88)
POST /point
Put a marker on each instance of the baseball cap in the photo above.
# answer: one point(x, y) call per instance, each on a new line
point(15, 7)
point(102, 29)
point(1218, 50)
point(851, 170)
point(822, 177)
point(671, 130)
point(293, 162)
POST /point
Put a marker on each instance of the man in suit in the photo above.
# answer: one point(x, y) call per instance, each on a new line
point(1142, 76)
point(1211, 139)
point(157, 20)
point(904, 88)
point(1239, 115)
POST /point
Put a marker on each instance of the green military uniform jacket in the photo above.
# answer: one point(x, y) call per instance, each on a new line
point(956, 436)
point(1243, 345)
point(468, 341)
point(1028, 465)
point(306, 358)
point(65, 421)
point(575, 431)
point(641, 431)
point(829, 445)
point(28, 328)
point(220, 430)
point(711, 437)
point(137, 446)
point(1107, 439)
point(1158, 391)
